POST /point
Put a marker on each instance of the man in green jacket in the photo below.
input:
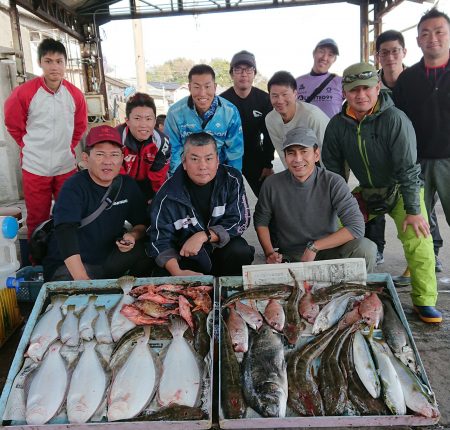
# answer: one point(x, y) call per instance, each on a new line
point(378, 142)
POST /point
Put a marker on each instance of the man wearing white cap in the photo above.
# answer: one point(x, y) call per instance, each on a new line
point(378, 143)
point(303, 204)
point(320, 87)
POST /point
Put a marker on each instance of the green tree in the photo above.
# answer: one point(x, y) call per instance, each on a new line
point(222, 69)
point(171, 71)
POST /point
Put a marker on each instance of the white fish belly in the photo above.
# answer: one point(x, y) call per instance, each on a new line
point(365, 367)
point(69, 330)
point(47, 389)
point(134, 384)
point(180, 381)
point(87, 388)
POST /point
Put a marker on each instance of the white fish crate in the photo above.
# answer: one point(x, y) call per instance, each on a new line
point(279, 274)
point(108, 294)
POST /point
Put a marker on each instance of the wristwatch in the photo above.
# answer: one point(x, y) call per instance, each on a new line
point(311, 247)
point(208, 236)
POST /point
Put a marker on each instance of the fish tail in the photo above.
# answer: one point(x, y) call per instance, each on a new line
point(126, 283)
point(178, 326)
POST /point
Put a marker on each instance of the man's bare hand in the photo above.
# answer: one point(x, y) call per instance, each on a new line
point(187, 273)
point(274, 258)
point(193, 245)
point(126, 243)
point(308, 255)
point(418, 223)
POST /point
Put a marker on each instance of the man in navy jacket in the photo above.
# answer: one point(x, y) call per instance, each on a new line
point(199, 215)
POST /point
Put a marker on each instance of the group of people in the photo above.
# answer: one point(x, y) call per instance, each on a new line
point(166, 196)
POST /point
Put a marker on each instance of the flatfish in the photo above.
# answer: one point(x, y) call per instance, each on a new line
point(181, 377)
point(87, 386)
point(102, 330)
point(69, 334)
point(87, 319)
point(120, 324)
point(135, 383)
point(264, 376)
point(48, 387)
point(46, 330)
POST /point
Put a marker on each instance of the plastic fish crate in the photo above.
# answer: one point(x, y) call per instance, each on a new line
point(236, 282)
point(29, 288)
point(99, 287)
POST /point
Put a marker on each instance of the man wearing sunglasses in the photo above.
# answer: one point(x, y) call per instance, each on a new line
point(378, 143)
point(422, 92)
point(253, 105)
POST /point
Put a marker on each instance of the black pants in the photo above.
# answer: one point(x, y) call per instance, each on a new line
point(226, 261)
point(134, 262)
point(252, 169)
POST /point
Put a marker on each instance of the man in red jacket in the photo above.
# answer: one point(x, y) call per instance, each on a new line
point(47, 117)
point(146, 150)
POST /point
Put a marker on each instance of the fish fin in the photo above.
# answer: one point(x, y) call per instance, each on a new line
point(126, 283)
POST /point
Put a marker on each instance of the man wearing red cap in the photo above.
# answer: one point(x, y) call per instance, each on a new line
point(88, 242)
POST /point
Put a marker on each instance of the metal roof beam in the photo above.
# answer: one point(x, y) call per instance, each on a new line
point(55, 13)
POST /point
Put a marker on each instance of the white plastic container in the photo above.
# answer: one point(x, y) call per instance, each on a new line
point(8, 255)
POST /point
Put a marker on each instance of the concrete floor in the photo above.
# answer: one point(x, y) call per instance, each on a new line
point(433, 341)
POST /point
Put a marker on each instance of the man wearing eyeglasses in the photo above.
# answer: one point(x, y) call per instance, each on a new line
point(204, 111)
point(253, 105)
point(422, 92)
point(378, 143)
point(320, 87)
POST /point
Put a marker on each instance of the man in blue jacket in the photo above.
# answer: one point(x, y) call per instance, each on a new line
point(204, 111)
point(199, 215)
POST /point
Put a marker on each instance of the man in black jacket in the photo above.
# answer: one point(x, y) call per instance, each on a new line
point(253, 105)
point(422, 93)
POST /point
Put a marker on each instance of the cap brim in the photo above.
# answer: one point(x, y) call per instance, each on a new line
point(372, 82)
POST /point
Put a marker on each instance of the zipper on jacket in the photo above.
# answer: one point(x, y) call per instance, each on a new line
point(363, 152)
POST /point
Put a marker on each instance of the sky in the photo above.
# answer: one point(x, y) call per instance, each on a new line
point(281, 38)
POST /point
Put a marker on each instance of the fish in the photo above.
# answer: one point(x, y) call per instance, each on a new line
point(238, 331)
point(135, 383)
point(392, 389)
point(120, 324)
point(304, 396)
point(371, 310)
point(185, 311)
point(364, 365)
point(138, 317)
point(331, 313)
point(264, 376)
point(173, 413)
point(202, 341)
point(332, 382)
point(69, 333)
point(294, 324)
point(201, 299)
point(48, 387)
point(170, 287)
point(274, 315)
point(157, 298)
point(87, 319)
point(251, 316)
point(141, 289)
point(261, 292)
point(87, 386)
point(396, 337)
point(181, 376)
point(153, 309)
point(351, 317)
point(232, 397)
point(357, 394)
point(418, 397)
point(326, 294)
point(307, 307)
point(46, 330)
point(102, 330)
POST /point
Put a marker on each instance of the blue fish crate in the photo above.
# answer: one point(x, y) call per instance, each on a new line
point(29, 288)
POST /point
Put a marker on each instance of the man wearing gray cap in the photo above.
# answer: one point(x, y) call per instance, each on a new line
point(253, 105)
point(378, 143)
point(303, 205)
point(320, 87)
